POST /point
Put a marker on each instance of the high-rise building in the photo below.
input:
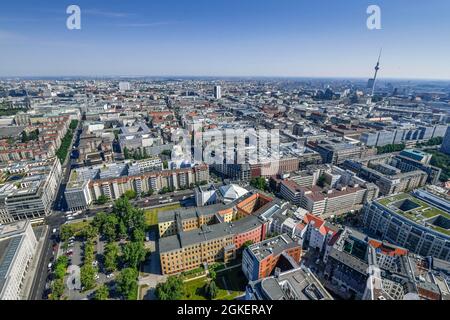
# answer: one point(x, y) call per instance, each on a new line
point(217, 92)
point(445, 148)
point(124, 86)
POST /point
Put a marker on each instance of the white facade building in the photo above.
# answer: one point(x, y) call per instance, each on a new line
point(17, 250)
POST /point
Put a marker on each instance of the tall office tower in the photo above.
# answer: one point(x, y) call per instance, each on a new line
point(445, 148)
point(217, 92)
point(124, 86)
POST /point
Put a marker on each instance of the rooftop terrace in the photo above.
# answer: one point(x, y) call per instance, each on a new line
point(418, 211)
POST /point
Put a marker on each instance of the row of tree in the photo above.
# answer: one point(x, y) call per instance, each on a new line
point(432, 142)
point(59, 271)
point(124, 223)
point(88, 270)
point(391, 148)
point(136, 154)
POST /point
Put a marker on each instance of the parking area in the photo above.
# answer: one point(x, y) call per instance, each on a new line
point(74, 250)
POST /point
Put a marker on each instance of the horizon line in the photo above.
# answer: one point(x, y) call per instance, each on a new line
point(229, 76)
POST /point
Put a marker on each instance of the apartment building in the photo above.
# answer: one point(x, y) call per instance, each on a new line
point(259, 260)
point(321, 201)
point(51, 132)
point(114, 180)
point(318, 232)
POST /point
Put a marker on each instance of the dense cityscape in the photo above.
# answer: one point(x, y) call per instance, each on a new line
point(206, 159)
point(101, 198)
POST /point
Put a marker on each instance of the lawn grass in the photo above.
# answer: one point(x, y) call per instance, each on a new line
point(77, 227)
point(423, 212)
point(193, 290)
point(151, 215)
point(235, 286)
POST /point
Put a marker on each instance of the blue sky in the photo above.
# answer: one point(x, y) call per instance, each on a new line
point(317, 38)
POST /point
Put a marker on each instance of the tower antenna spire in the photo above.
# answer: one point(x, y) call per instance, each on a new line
point(377, 67)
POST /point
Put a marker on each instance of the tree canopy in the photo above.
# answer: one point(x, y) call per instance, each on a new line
point(111, 256)
point(211, 290)
point(102, 293)
point(259, 183)
point(172, 289)
point(133, 254)
point(127, 284)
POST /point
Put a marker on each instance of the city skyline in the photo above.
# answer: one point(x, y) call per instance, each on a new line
point(287, 39)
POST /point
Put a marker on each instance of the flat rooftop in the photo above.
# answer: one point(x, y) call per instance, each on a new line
point(296, 284)
point(207, 233)
point(418, 211)
point(273, 246)
point(8, 250)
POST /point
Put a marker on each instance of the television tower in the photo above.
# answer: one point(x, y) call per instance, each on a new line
point(372, 82)
point(377, 67)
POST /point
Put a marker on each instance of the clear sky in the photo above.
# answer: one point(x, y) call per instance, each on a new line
point(311, 38)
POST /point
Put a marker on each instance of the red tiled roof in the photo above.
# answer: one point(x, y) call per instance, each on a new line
point(318, 222)
point(389, 250)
